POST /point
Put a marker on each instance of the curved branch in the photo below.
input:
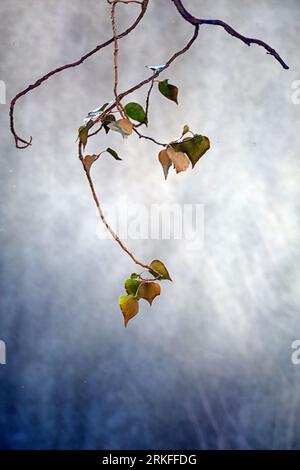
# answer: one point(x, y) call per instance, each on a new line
point(18, 139)
point(198, 21)
point(102, 216)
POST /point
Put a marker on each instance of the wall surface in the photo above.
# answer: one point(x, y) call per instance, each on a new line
point(209, 365)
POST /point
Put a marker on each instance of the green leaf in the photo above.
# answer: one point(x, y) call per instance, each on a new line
point(158, 269)
point(129, 307)
point(136, 112)
point(131, 286)
point(148, 291)
point(169, 91)
point(83, 135)
point(194, 147)
point(165, 162)
point(134, 276)
point(113, 153)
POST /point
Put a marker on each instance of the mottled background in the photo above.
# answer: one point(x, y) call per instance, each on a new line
point(209, 365)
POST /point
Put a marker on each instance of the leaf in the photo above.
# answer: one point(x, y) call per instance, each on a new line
point(109, 118)
point(165, 162)
point(136, 112)
point(185, 130)
point(131, 286)
point(113, 153)
point(194, 147)
point(89, 160)
point(169, 91)
point(179, 160)
point(158, 268)
point(129, 307)
point(148, 291)
point(123, 126)
point(93, 115)
point(83, 135)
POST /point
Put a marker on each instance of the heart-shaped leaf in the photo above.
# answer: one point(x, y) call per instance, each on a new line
point(129, 307)
point(194, 147)
point(158, 269)
point(148, 291)
point(179, 160)
point(169, 91)
point(113, 153)
point(136, 112)
point(165, 162)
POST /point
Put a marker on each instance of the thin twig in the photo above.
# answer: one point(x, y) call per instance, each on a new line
point(142, 136)
point(36, 84)
point(101, 213)
point(116, 56)
point(198, 21)
point(147, 105)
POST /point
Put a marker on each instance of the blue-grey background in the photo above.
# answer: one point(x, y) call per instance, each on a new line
point(208, 366)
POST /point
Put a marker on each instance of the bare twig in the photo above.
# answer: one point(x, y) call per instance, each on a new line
point(198, 21)
point(147, 105)
point(18, 139)
point(101, 213)
point(116, 56)
point(142, 136)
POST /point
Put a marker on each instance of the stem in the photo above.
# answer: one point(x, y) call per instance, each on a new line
point(142, 136)
point(102, 216)
point(116, 64)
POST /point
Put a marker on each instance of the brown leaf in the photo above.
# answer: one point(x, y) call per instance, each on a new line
point(124, 126)
point(88, 161)
point(165, 162)
point(129, 307)
point(179, 160)
point(148, 291)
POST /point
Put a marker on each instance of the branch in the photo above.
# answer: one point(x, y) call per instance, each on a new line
point(25, 143)
point(142, 136)
point(116, 57)
point(197, 21)
point(102, 216)
point(152, 77)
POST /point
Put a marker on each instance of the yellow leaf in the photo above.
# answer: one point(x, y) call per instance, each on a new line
point(159, 269)
point(129, 307)
point(165, 162)
point(148, 291)
point(179, 160)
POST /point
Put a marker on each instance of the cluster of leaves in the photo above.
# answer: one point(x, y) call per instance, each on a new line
point(186, 150)
point(138, 288)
